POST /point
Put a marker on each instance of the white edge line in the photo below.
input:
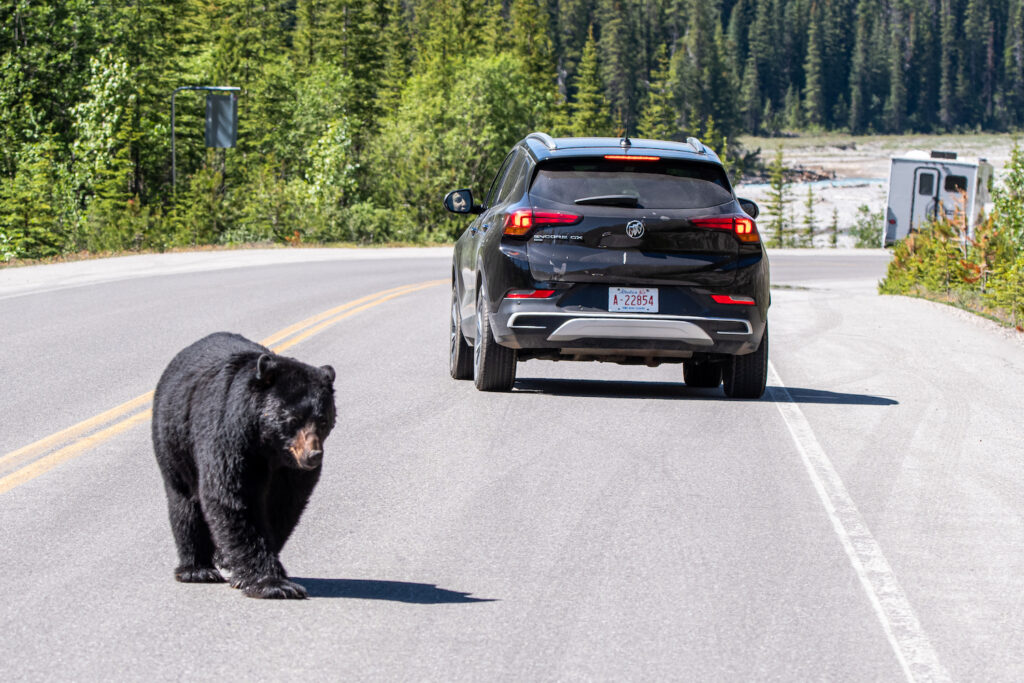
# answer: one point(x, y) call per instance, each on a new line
point(907, 638)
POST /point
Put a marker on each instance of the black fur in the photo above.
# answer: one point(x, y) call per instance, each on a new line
point(238, 434)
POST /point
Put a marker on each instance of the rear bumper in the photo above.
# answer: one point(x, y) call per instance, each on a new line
point(545, 329)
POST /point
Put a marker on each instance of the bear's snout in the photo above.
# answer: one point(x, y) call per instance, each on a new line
point(305, 447)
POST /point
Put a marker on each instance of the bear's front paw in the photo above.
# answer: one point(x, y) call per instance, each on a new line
point(198, 575)
point(276, 589)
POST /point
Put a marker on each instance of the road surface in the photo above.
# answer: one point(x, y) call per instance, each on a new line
point(863, 521)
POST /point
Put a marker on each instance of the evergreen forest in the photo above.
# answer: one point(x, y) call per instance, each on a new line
point(356, 116)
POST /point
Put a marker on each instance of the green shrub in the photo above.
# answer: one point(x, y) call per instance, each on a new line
point(1006, 290)
point(867, 229)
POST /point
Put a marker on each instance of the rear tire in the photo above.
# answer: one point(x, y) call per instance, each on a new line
point(706, 375)
point(746, 376)
point(460, 355)
point(494, 365)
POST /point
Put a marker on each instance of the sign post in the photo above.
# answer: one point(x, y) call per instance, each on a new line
point(221, 120)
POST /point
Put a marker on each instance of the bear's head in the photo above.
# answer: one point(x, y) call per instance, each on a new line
point(296, 410)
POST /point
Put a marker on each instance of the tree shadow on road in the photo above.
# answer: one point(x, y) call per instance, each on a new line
point(590, 388)
point(395, 591)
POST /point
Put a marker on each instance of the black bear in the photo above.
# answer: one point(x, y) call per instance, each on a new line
point(238, 433)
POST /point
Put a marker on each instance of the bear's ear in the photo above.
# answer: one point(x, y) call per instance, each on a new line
point(329, 371)
point(266, 368)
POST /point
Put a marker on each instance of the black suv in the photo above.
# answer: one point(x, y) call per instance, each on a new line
point(604, 249)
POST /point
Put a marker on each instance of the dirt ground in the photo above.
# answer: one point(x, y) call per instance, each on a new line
point(855, 171)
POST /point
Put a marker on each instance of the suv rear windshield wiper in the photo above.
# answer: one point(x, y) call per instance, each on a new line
point(611, 200)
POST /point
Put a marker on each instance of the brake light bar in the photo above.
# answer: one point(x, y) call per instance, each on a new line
point(520, 222)
point(630, 157)
point(730, 299)
point(742, 226)
point(530, 294)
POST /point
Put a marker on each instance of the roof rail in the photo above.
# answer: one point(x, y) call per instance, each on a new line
point(544, 139)
point(697, 145)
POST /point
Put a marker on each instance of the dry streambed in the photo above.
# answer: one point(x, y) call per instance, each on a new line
point(852, 171)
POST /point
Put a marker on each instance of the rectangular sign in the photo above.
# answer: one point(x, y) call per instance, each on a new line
point(221, 120)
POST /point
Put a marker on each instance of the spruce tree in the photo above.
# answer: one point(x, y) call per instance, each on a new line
point(859, 77)
point(1013, 65)
point(948, 106)
point(792, 109)
point(778, 201)
point(394, 71)
point(620, 64)
point(750, 97)
point(896, 102)
point(809, 222)
point(590, 110)
point(975, 75)
point(814, 95)
point(833, 230)
point(658, 116)
point(533, 42)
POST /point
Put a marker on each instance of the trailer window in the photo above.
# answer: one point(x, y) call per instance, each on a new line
point(926, 184)
point(956, 183)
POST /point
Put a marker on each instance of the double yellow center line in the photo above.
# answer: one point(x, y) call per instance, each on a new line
point(25, 464)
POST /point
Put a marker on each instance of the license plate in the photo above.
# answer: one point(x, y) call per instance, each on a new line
point(633, 299)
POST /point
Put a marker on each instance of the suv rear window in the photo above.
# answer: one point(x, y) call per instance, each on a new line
point(664, 184)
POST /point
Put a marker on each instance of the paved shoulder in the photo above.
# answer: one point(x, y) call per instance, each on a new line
point(42, 278)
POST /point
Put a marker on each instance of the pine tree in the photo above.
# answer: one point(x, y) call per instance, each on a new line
point(859, 77)
point(725, 83)
point(692, 65)
point(948, 106)
point(533, 42)
point(619, 66)
point(975, 75)
point(896, 103)
point(792, 109)
point(809, 222)
point(394, 70)
point(535, 49)
point(778, 201)
point(31, 224)
point(590, 110)
point(814, 102)
point(750, 97)
point(658, 116)
point(770, 118)
point(1013, 65)
point(833, 230)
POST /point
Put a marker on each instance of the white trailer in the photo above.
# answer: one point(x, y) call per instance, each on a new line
point(925, 186)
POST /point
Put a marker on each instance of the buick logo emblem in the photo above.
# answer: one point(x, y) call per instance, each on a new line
point(635, 229)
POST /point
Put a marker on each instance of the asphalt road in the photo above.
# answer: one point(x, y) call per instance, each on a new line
point(863, 521)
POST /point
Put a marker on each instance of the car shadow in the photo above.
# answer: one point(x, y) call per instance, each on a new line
point(680, 392)
point(394, 591)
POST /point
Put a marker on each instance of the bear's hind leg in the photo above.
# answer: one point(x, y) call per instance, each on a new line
point(192, 536)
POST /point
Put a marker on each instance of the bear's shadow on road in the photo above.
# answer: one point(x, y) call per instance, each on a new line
point(394, 591)
point(680, 392)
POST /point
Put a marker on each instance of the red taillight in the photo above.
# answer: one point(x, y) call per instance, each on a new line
point(530, 294)
point(743, 227)
point(630, 157)
point(729, 299)
point(520, 222)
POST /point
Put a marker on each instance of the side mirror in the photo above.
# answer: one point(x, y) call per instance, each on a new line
point(749, 207)
point(460, 201)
